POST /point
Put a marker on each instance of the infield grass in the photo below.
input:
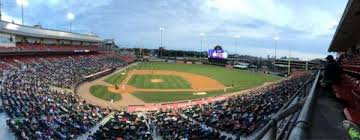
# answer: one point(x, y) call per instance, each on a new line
point(102, 92)
point(168, 82)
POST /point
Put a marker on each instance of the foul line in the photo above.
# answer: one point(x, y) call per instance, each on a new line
point(126, 80)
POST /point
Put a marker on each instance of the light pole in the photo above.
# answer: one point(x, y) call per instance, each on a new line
point(289, 63)
point(0, 11)
point(236, 37)
point(22, 3)
point(161, 40)
point(70, 16)
point(276, 38)
point(201, 44)
point(161, 36)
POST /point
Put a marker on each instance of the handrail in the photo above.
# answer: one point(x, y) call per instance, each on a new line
point(302, 123)
point(285, 111)
point(272, 125)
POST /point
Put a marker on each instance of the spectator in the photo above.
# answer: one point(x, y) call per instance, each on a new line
point(331, 72)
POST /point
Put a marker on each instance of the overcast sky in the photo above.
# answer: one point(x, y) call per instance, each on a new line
point(304, 26)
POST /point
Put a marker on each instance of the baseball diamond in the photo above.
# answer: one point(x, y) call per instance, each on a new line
point(157, 82)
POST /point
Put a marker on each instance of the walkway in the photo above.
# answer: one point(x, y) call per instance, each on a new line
point(96, 127)
point(327, 117)
point(5, 132)
point(222, 133)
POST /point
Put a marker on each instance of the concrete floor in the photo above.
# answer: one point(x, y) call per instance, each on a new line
point(326, 121)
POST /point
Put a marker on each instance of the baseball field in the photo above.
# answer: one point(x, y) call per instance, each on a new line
point(155, 82)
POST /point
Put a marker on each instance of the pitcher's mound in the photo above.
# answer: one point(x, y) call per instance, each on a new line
point(156, 80)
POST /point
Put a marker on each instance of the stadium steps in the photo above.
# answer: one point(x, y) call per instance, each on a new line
point(222, 133)
point(327, 117)
point(5, 132)
point(96, 127)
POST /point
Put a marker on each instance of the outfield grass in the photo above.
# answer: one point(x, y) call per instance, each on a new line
point(102, 92)
point(169, 82)
point(240, 79)
point(158, 97)
point(116, 79)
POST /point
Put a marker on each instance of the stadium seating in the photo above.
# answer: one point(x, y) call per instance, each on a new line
point(46, 48)
point(37, 111)
point(348, 89)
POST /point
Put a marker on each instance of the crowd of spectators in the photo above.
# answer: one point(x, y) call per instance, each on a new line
point(124, 126)
point(38, 111)
point(241, 115)
point(71, 71)
point(170, 125)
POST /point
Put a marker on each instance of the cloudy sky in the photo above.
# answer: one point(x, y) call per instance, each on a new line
point(306, 27)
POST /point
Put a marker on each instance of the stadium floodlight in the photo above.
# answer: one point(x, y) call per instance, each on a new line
point(236, 37)
point(22, 4)
point(161, 36)
point(202, 35)
point(70, 16)
point(276, 38)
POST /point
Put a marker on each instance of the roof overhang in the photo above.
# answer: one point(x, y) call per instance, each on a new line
point(20, 30)
point(348, 30)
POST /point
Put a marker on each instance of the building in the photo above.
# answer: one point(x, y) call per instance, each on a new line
point(25, 39)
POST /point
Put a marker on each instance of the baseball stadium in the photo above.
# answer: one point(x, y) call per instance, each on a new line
point(104, 73)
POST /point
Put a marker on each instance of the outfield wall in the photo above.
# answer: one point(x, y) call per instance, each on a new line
point(175, 105)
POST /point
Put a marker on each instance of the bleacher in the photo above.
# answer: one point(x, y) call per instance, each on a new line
point(8, 62)
point(348, 89)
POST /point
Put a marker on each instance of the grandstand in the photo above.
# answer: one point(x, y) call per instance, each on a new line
point(346, 44)
point(33, 62)
point(43, 71)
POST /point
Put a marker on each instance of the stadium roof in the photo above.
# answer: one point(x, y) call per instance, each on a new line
point(347, 34)
point(16, 29)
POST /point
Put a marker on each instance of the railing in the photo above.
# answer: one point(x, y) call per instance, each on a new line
point(290, 111)
point(299, 130)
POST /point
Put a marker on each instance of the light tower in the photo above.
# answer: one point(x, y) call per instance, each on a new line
point(276, 39)
point(22, 4)
point(161, 39)
point(70, 16)
point(202, 35)
point(161, 36)
point(236, 37)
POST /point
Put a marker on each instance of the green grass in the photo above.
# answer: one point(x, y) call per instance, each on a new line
point(169, 82)
point(158, 97)
point(102, 92)
point(116, 79)
point(241, 79)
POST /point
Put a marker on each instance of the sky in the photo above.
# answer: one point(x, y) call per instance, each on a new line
point(305, 28)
